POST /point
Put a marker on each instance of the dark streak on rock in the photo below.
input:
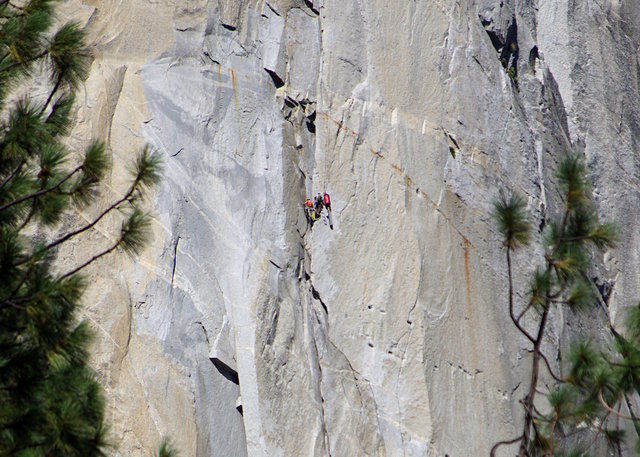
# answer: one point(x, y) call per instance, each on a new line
point(206, 53)
point(316, 295)
point(177, 152)
point(272, 9)
point(309, 3)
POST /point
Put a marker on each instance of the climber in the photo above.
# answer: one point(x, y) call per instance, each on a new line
point(327, 204)
point(327, 201)
point(319, 205)
point(309, 212)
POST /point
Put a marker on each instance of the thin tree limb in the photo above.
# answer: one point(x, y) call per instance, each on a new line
point(511, 313)
point(611, 410)
point(503, 443)
point(553, 375)
point(53, 91)
point(91, 260)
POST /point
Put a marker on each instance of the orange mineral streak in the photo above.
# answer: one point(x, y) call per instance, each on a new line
point(469, 305)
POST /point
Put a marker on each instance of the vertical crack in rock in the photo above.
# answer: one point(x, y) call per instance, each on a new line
point(320, 392)
point(175, 261)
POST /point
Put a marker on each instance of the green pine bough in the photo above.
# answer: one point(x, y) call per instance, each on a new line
point(589, 405)
point(51, 403)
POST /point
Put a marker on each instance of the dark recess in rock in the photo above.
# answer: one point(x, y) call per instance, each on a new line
point(509, 54)
point(290, 102)
point(507, 46)
point(277, 81)
point(316, 295)
point(225, 370)
point(605, 288)
point(311, 122)
point(542, 225)
point(239, 408)
point(496, 40)
point(533, 55)
point(229, 27)
point(309, 3)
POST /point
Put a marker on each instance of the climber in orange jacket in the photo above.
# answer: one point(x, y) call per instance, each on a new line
point(309, 211)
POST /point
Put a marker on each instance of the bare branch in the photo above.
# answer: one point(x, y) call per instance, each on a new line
point(553, 375)
point(504, 443)
point(91, 260)
point(53, 91)
point(611, 410)
point(511, 313)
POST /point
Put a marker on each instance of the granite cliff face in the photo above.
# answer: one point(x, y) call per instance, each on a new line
point(241, 331)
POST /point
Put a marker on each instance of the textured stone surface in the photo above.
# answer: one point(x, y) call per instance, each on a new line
point(241, 331)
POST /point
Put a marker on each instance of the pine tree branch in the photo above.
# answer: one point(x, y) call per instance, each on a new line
point(13, 173)
point(28, 218)
point(12, 303)
point(622, 365)
point(22, 281)
point(25, 62)
point(41, 192)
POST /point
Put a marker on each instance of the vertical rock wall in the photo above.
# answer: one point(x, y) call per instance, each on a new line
point(242, 331)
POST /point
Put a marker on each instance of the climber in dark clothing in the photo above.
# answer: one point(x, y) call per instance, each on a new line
point(319, 205)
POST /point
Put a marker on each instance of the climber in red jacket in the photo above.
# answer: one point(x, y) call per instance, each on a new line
point(327, 201)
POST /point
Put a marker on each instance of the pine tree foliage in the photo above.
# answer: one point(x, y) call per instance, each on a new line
point(589, 405)
point(167, 449)
point(50, 400)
